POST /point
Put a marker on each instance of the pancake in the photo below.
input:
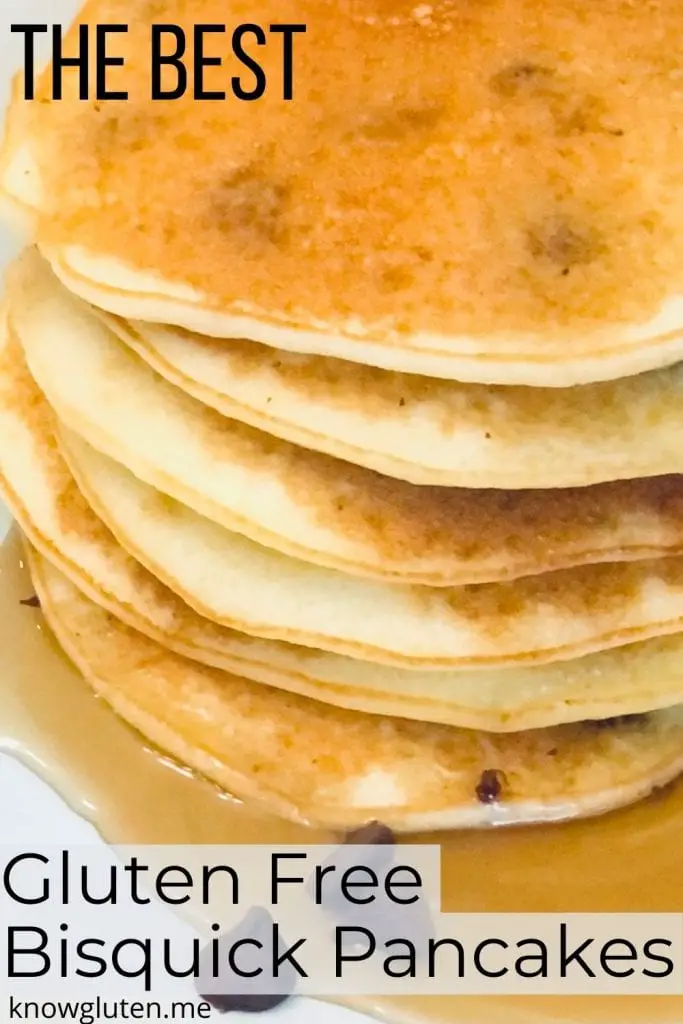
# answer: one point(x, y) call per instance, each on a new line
point(481, 192)
point(426, 431)
point(258, 591)
point(40, 490)
point(307, 761)
point(539, 619)
point(306, 504)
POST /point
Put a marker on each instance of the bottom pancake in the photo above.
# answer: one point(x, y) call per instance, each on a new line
point(308, 761)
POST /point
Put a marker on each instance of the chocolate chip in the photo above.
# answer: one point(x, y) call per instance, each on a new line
point(511, 79)
point(372, 834)
point(244, 1003)
point(31, 602)
point(384, 918)
point(375, 835)
point(226, 991)
point(490, 786)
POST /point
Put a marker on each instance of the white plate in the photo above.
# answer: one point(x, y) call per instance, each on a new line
point(30, 812)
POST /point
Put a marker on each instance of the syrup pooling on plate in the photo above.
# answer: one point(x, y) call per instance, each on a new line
point(624, 861)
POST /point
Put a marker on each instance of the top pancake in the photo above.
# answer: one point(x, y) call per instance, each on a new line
point(487, 192)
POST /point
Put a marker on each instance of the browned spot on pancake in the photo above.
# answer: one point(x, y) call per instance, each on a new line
point(250, 200)
point(121, 127)
point(519, 76)
point(397, 279)
point(27, 402)
point(445, 529)
point(564, 244)
point(153, 9)
point(599, 595)
point(589, 115)
point(393, 125)
point(449, 528)
point(491, 605)
point(73, 512)
point(573, 113)
point(21, 396)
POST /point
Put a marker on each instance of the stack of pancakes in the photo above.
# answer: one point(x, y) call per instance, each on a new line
point(344, 432)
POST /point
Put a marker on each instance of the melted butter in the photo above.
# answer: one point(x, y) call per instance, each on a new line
point(628, 861)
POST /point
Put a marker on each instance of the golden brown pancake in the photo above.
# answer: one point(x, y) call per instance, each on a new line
point(310, 762)
point(479, 191)
point(41, 492)
point(536, 620)
point(427, 431)
point(306, 504)
point(254, 589)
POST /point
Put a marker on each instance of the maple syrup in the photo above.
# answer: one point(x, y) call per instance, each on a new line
point(626, 861)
